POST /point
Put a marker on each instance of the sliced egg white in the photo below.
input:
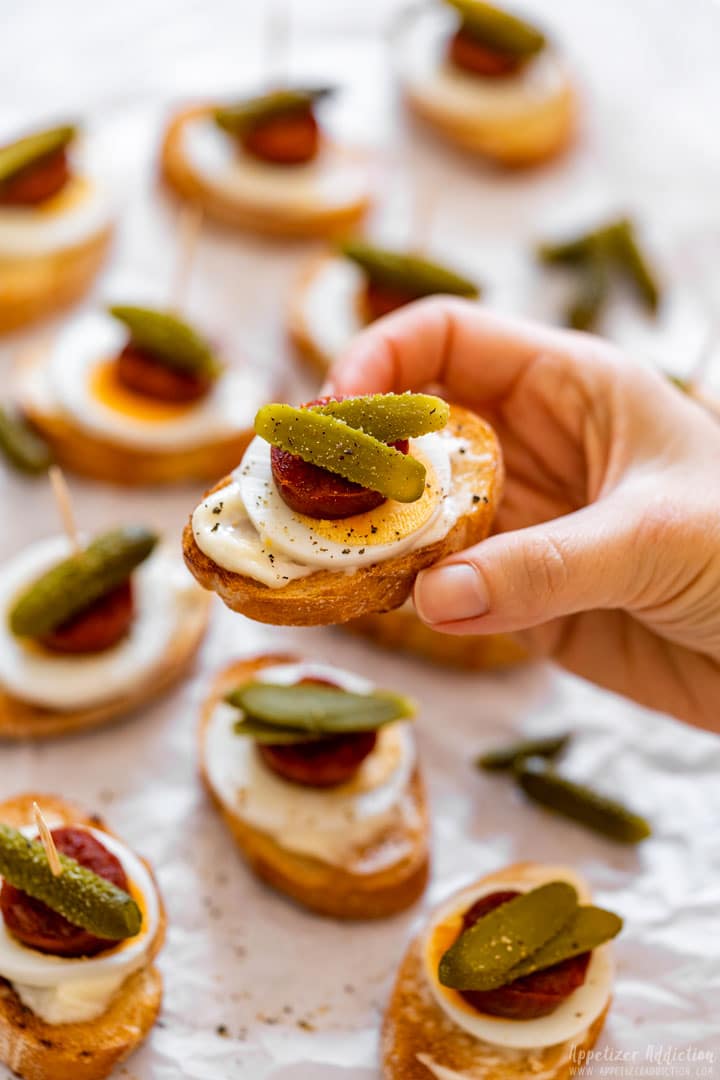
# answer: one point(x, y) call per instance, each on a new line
point(569, 1020)
point(77, 213)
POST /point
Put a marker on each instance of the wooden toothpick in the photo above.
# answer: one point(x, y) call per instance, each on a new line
point(277, 42)
point(191, 219)
point(423, 218)
point(47, 841)
point(64, 505)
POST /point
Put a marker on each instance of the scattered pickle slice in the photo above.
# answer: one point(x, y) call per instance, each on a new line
point(244, 115)
point(390, 417)
point(77, 581)
point(409, 273)
point(167, 337)
point(585, 309)
point(343, 450)
point(636, 265)
point(580, 803)
point(319, 709)
point(483, 955)
point(22, 446)
point(16, 156)
point(508, 757)
point(81, 896)
point(588, 927)
point(499, 29)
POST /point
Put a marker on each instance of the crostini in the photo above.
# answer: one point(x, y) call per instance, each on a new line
point(462, 1007)
point(55, 227)
point(316, 774)
point(137, 396)
point(78, 987)
point(337, 506)
point(88, 635)
point(266, 164)
point(485, 80)
point(338, 293)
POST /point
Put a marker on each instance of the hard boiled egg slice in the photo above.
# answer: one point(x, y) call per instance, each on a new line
point(77, 213)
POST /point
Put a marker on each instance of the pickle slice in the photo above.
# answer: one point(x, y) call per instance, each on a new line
point(580, 803)
point(409, 273)
point(244, 115)
point(16, 156)
point(77, 581)
point(343, 450)
point(585, 310)
point(84, 898)
point(587, 928)
point(321, 710)
point(499, 29)
point(22, 446)
point(168, 338)
point(390, 417)
point(635, 264)
point(508, 757)
point(483, 955)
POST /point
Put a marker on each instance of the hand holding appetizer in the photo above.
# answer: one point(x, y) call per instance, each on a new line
point(315, 773)
point(55, 227)
point(81, 920)
point(336, 506)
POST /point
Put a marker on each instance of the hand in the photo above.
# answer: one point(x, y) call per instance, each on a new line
point(607, 556)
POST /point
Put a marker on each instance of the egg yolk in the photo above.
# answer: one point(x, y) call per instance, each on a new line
point(72, 195)
point(107, 389)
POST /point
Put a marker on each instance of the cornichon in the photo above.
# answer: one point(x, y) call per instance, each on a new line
point(499, 29)
point(587, 928)
point(343, 450)
point(272, 734)
point(320, 710)
point(77, 581)
point(16, 156)
point(580, 803)
point(508, 757)
point(390, 417)
point(22, 446)
point(587, 305)
point(174, 342)
point(244, 115)
point(84, 898)
point(409, 273)
point(483, 955)
point(636, 266)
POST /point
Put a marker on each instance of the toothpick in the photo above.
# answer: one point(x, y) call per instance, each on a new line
point(277, 42)
point(47, 841)
point(191, 219)
point(705, 355)
point(64, 505)
point(423, 218)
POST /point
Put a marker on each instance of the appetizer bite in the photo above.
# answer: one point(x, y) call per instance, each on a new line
point(337, 506)
point(91, 633)
point(315, 773)
point(55, 227)
point(138, 396)
point(266, 164)
point(340, 292)
point(511, 978)
point(81, 920)
point(485, 80)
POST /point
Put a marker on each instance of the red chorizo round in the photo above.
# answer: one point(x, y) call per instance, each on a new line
point(290, 139)
point(469, 54)
point(138, 370)
point(98, 627)
point(383, 299)
point(37, 182)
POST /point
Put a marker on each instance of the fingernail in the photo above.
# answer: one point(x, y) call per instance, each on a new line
point(449, 593)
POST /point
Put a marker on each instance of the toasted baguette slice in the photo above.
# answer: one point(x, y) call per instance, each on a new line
point(416, 1030)
point(35, 1050)
point(24, 720)
point(340, 892)
point(291, 221)
point(327, 597)
point(38, 286)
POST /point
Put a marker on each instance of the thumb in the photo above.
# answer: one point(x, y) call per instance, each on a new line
point(516, 580)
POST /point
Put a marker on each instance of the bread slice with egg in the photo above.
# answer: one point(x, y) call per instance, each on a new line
point(420, 1041)
point(347, 892)
point(326, 597)
point(36, 1050)
point(300, 219)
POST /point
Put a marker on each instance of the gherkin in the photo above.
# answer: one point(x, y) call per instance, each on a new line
point(498, 29)
point(171, 340)
point(18, 155)
point(390, 417)
point(313, 710)
point(409, 273)
point(241, 117)
point(22, 446)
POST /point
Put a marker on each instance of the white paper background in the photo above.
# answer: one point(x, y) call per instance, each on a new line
point(301, 998)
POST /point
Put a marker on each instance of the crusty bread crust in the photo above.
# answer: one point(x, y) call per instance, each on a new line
point(90, 455)
point(299, 332)
point(35, 1050)
point(23, 720)
point(328, 597)
point(342, 893)
point(291, 222)
point(415, 1025)
point(38, 286)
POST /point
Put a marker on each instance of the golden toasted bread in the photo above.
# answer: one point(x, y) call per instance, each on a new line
point(417, 1032)
point(37, 286)
point(340, 892)
point(35, 1050)
point(290, 221)
point(327, 597)
point(24, 720)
